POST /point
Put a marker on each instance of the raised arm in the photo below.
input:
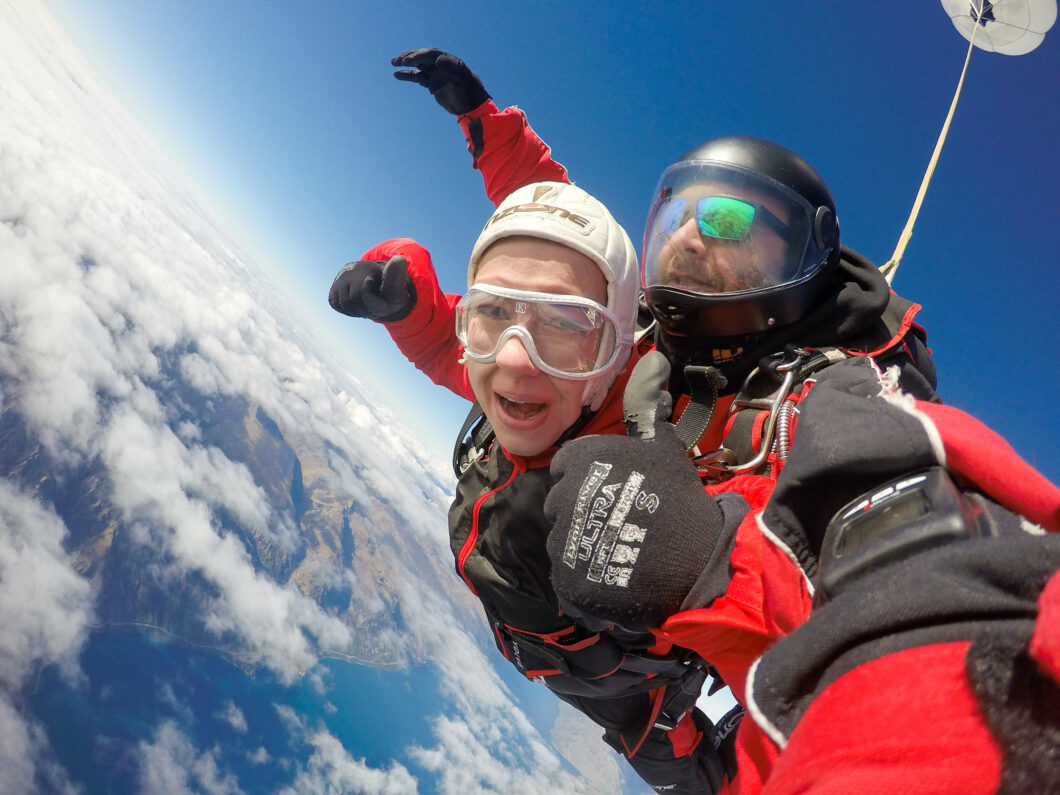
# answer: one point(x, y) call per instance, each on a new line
point(394, 283)
point(503, 146)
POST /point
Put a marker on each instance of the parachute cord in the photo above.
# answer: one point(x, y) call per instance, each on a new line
point(889, 268)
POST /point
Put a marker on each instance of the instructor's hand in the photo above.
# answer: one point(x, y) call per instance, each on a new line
point(451, 82)
point(374, 289)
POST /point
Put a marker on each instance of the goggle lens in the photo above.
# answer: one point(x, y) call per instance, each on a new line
point(566, 336)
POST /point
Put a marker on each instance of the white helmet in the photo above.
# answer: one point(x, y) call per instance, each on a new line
point(566, 214)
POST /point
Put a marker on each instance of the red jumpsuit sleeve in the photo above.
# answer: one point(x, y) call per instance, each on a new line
point(900, 723)
point(507, 150)
point(982, 456)
point(766, 596)
point(427, 336)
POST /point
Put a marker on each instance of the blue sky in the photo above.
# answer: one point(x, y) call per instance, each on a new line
point(284, 119)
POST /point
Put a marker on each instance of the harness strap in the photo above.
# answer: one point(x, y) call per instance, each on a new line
point(681, 695)
point(762, 395)
point(671, 668)
point(739, 437)
point(704, 383)
point(469, 447)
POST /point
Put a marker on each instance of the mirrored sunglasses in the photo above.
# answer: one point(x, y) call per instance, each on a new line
point(723, 217)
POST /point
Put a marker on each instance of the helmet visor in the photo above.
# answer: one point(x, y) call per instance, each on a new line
point(566, 336)
point(724, 229)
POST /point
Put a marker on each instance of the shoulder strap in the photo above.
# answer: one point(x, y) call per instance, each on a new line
point(472, 440)
point(703, 383)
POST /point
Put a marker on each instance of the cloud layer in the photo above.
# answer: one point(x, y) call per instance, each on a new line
point(125, 318)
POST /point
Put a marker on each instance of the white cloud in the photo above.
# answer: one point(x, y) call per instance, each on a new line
point(171, 765)
point(109, 269)
point(44, 604)
point(27, 766)
point(578, 739)
point(45, 610)
point(487, 744)
point(465, 765)
point(234, 717)
point(18, 750)
point(332, 770)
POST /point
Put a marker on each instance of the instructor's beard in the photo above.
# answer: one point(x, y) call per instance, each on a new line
point(713, 273)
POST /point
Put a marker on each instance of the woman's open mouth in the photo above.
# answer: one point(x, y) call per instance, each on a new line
point(520, 410)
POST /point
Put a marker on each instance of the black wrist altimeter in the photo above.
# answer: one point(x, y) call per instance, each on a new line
point(895, 520)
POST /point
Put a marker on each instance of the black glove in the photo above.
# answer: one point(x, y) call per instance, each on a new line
point(453, 85)
point(374, 289)
point(632, 527)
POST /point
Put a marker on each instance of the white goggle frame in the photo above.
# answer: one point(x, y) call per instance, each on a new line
point(604, 360)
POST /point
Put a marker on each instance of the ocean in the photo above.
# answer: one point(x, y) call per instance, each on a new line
point(254, 726)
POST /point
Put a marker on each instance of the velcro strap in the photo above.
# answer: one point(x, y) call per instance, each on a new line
point(703, 383)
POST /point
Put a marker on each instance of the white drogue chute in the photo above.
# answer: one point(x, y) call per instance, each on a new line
point(1012, 27)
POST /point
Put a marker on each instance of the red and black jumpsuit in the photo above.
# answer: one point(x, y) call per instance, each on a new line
point(498, 529)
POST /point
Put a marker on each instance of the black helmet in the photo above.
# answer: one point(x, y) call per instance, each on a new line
point(765, 234)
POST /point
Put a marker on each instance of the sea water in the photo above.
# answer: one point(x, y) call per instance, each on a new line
point(135, 683)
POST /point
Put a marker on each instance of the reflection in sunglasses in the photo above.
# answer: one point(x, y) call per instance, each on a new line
point(721, 217)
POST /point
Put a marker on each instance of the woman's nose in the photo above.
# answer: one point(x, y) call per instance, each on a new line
point(514, 356)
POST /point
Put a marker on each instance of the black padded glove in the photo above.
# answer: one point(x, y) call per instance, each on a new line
point(632, 527)
point(374, 289)
point(452, 84)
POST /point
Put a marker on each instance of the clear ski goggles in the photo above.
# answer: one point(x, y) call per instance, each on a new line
point(566, 336)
